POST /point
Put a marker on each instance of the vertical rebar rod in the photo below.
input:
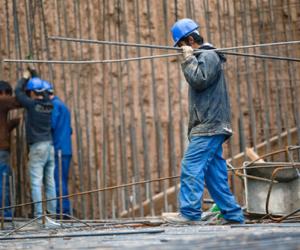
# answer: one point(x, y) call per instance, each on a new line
point(133, 198)
point(278, 85)
point(171, 143)
point(28, 27)
point(289, 34)
point(123, 134)
point(266, 87)
point(176, 9)
point(149, 196)
point(132, 124)
point(145, 141)
point(252, 120)
point(99, 195)
point(155, 104)
point(238, 78)
point(60, 184)
point(93, 100)
point(11, 196)
point(3, 199)
point(113, 205)
point(109, 168)
point(188, 9)
point(96, 131)
point(61, 48)
point(104, 114)
point(8, 42)
point(75, 108)
point(182, 121)
point(166, 205)
point(105, 127)
point(17, 35)
point(115, 166)
point(80, 93)
point(89, 110)
point(258, 100)
point(222, 43)
point(18, 52)
point(44, 26)
point(223, 39)
point(207, 20)
point(69, 99)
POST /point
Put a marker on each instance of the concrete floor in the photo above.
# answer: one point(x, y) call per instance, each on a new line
point(252, 236)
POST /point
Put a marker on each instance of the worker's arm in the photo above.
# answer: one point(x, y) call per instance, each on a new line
point(13, 123)
point(13, 104)
point(202, 71)
point(21, 96)
point(9, 102)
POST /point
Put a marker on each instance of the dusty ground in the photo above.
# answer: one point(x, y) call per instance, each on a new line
point(252, 236)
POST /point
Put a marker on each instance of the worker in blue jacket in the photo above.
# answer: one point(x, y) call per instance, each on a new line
point(209, 127)
point(61, 134)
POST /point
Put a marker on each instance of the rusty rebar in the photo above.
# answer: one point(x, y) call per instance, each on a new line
point(269, 195)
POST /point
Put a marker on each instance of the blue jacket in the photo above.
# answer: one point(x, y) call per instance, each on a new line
point(209, 105)
point(37, 117)
point(61, 127)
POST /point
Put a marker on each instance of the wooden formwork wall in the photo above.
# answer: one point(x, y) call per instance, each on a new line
point(129, 119)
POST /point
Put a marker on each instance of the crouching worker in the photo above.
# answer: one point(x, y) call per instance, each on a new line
point(7, 103)
point(32, 96)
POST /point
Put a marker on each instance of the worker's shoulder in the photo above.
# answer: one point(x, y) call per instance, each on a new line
point(59, 103)
point(209, 55)
point(7, 98)
point(7, 101)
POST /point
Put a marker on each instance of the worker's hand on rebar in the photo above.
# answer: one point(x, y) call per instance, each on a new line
point(187, 53)
point(26, 74)
point(32, 71)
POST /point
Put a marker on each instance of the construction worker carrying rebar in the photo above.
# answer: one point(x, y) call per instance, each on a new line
point(61, 133)
point(31, 94)
point(7, 103)
point(209, 127)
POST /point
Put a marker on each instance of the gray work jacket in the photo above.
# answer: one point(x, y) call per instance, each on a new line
point(209, 105)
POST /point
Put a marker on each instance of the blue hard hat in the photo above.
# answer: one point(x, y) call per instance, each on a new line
point(183, 28)
point(48, 86)
point(35, 84)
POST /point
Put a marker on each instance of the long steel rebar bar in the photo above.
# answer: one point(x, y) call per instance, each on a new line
point(283, 58)
point(164, 47)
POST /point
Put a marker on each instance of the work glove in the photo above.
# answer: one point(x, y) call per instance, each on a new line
point(26, 74)
point(187, 53)
point(32, 71)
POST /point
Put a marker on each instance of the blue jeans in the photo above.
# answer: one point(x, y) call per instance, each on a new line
point(65, 162)
point(5, 170)
point(41, 169)
point(203, 162)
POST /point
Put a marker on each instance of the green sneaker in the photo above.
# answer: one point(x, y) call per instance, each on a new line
point(216, 209)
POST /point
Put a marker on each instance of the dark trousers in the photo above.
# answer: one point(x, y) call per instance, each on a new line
point(65, 161)
point(6, 171)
